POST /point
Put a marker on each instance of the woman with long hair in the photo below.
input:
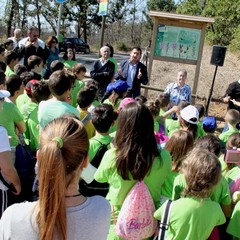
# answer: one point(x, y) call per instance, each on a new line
point(135, 157)
point(61, 212)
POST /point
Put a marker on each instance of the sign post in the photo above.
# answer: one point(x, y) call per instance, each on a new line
point(103, 8)
point(59, 15)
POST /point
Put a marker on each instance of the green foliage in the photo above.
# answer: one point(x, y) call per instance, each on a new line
point(161, 5)
point(122, 47)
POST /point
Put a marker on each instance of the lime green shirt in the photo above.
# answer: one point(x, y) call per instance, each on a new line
point(107, 101)
point(220, 193)
point(234, 224)
point(9, 72)
point(77, 87)
point(9, 117)
point(21, 100)
point(69, 63)
point(95, 145)
point(200, 131)
point(192, 218)
point(167, 188)
point(119, 188)
point(113, 60)
point(225, 135)
point(171, 126)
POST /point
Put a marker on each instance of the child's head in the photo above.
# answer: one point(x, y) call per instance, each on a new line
point(86, 97)
point(40, 91)
point(140, 99)
point(26, 77)
point(154, 107)
point(8, 44)
point(69, 55)
point(79, 70)
point(209, 124)
point(135, 141)
point(14, 85)
point(232, 117)
point(11, 58)
point(102, 117)
point(35, 63)
point(179, 144)
point(2, 80)
point(19, 69)
point(56, 65)
point(233, 141)
point(164, 100)
point(210, 143)
point(202, 171)
point(59, 83)
point(111, 49)
point(200, 109)
point(189, 118)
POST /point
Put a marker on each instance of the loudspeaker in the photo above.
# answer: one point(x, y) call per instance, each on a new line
point(218, 55)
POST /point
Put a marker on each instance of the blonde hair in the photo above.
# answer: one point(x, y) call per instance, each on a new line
point(202, 171)
point(58, 159)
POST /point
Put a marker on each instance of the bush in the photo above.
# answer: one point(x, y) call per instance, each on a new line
point(122, 47)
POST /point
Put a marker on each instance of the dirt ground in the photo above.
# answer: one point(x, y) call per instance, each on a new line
point(166, 72)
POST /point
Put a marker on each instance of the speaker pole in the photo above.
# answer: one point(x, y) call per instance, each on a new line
point(211, 90)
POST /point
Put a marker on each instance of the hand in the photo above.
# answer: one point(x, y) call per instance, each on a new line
point(139, 73)
point(226, 99)
point(17, 189)
point(120, 71)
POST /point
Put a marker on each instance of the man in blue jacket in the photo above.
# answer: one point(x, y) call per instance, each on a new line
point(133, 72)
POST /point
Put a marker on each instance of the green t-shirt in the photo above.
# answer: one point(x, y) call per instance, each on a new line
point(51, 109)
point(171, 126)
point(167, 188)
point(30, 114)
point(9, 72)
point(220, 193)
point(107, 101)
point(200, 131)
point(78, 86)
point(95, 143)
point(119, 188)
point(234, 224)
point(9, 117)
point(69, 63)
point(115, 63)
point(192, 218)
point(225, 135)
point(21, 100)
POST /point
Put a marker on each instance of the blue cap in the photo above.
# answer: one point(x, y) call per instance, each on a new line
point(209, 124)
point(118, 86)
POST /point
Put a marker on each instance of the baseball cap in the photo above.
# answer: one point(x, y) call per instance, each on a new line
point(125, 102)
point(209, 123)
point(4, 93)
point(28, 87)
point(190, 114)
point(117, 86)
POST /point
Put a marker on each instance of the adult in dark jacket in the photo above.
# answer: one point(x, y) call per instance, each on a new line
point(133, 71)
point(102, 71)
point(32, 45)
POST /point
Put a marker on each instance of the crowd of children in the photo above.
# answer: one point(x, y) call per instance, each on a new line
point(131, 142)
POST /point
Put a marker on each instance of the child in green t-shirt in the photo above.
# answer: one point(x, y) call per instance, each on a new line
point(233, 226)
point(69, 59)
point(200, 130)
point(194, 216)
point(79, 71)
point(231, 119)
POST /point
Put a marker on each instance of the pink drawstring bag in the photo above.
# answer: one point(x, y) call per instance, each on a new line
point(135, 220)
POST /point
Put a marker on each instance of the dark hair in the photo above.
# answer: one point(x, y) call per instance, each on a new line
point(59, 82)
point(7, 42)
point(209, 142)
point(136, 146)
point(192, 128)
point(111, 49)
point(86, 96)
point(102, 117)
point(33, 60)
point(40, 91)
point(10, 56)
point(19, 69)
point(32, 28)
point(56, 65)
point(50, 39)
point(154, 107)
point(137, 48)
point(13, 83)
point(141, 99)
point(2, 78)
point(233, 141)
point(179, 144)
point(92, 83)
point(164, 99)
point(26, 77)
point(200, 109)
point(2, 49)
point(65, 57)
point(77, 68)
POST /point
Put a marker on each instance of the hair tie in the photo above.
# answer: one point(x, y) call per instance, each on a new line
point(59, 141)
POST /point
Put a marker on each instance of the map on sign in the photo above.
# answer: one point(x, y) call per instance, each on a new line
point(103, 8)
point(177, 42)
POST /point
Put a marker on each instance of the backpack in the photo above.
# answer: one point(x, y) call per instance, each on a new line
point(95, 188)
point(135, 220)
